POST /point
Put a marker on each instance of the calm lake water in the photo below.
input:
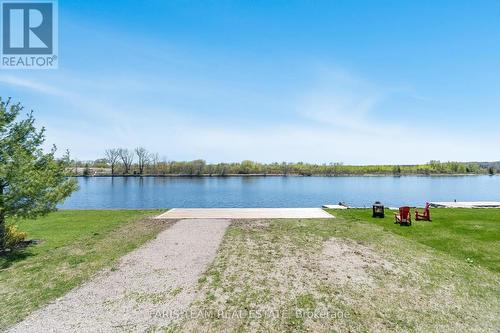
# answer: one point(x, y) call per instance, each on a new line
point(163, 192)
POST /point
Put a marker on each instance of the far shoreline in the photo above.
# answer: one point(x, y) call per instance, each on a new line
point(281, 175)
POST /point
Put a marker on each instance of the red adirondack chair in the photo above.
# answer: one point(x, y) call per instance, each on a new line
point(404, 216)
point(425, 216)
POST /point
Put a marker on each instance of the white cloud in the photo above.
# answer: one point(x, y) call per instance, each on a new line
point(334, 120)
point(31, 85)
point(344, 102)
point(184, 141)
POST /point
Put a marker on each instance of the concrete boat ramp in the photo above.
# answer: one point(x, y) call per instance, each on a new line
point(465, 204)
point(245, 213)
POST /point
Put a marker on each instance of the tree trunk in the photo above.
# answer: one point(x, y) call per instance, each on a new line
point(3, 235)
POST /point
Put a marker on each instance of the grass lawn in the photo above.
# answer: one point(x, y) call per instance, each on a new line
point(75, 245)
point(471, 235)
point(354, 274)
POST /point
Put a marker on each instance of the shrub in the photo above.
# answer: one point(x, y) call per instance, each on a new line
point(86, 171)
point(14, 236)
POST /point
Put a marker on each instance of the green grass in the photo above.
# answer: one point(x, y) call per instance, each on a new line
point(414, 279)
point(470, 235)
point(74, 246)
point(442, 275)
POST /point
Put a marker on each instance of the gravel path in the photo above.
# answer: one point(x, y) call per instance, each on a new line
point(146, 290)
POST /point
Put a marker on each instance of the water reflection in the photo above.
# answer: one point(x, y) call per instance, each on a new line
point(160, 192)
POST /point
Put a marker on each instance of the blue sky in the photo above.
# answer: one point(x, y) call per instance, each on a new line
point(318, 81)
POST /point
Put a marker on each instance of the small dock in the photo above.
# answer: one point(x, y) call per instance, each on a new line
point(465, 204)
point(334, 207)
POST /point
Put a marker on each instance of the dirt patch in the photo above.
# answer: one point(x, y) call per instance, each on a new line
point(317, 276)
point(251, 224)
point(346, 261)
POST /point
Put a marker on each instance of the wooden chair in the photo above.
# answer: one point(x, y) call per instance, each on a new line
point(425, 216)
point(404, 216)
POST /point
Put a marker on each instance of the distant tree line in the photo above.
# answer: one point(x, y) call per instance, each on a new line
point(139, 161)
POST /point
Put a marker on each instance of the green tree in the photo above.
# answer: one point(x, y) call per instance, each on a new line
point(396, 170)
point(31, 182)
point(197, 167)
point(86, 170)
point(246, 167)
